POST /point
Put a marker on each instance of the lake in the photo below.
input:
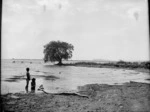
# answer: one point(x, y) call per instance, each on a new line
point(61, 78)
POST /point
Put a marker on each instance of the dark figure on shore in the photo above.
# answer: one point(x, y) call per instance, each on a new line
point(26, 88)
point(28, 77)
point(33, 85)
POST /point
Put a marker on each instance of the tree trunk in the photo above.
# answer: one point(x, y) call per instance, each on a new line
point(60, 62)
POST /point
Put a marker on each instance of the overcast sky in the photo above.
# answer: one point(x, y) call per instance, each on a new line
point(98, 29)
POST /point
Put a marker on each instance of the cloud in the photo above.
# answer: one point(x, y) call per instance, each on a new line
point(53, 4)
point(89, 6)
point(93, 24)
point(12, 7)
point(35, 6)
point(126, 9)
point(127, 13)
point(134, 13)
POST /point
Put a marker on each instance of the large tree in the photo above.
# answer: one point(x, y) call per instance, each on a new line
point(57, 50)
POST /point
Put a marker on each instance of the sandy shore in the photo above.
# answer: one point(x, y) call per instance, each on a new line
point(130, 97)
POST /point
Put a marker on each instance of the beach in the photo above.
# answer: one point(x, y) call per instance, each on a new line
point(130, 97)
point(68, 77)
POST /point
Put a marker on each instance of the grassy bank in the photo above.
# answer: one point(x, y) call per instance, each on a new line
point(130, 97)
point(119, 64)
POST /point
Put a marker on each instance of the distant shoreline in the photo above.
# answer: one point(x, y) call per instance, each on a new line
point(139, 66)
point(143, 66)
point(79, 60)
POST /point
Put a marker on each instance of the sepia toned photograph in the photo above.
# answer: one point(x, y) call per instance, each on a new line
point(75, 56)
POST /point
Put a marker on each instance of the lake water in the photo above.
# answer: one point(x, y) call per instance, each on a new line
point(68, 77)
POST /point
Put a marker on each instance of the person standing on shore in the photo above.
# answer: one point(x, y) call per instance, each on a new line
point(28, 78)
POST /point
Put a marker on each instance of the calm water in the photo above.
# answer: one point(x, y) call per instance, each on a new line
point(68, 78)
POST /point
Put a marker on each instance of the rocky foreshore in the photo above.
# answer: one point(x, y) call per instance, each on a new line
point(129, 97)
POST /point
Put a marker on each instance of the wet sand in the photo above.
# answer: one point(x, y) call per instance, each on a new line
point(130, 97)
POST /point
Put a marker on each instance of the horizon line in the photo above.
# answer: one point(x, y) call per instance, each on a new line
point(76, 59)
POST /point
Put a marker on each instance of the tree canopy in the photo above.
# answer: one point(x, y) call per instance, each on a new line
point(57, 50)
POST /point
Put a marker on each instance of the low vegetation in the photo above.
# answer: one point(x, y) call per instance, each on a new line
point(119, 64)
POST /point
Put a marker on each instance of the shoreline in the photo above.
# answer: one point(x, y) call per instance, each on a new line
point(128, 97)
point(137, 66)
point(133, 96)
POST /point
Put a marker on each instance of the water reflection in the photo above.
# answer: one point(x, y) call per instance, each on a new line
point(57, 79)
point(22, 77)
point(15, 78)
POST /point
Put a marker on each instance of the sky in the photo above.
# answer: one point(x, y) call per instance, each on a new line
point(98, 29)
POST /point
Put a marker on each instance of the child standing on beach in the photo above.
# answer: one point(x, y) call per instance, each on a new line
point(33, 85)
point(28, 76)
